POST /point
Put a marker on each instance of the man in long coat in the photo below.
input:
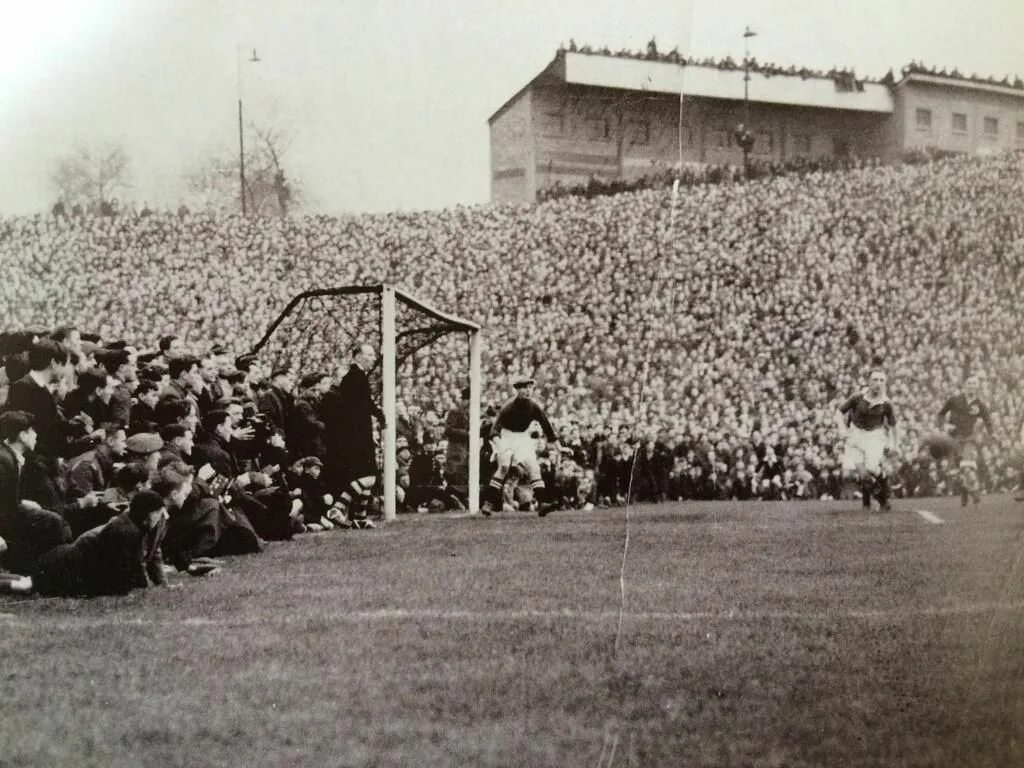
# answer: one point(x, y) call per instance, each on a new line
point(348, 409)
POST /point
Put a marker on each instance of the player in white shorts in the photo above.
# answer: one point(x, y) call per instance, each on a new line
point(867, 422)
point(510, 435)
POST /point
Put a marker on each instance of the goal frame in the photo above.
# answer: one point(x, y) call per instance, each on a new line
point(389, 296)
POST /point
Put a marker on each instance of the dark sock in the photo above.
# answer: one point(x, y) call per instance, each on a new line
point(883, 490)
point(867, 488)
point(493, 495)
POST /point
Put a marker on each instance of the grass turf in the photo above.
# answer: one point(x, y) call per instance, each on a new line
point(752, 635)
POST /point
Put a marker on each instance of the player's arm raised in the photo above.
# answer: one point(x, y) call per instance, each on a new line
point(840, 416)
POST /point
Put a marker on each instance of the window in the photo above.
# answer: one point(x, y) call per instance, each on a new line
point(1020, 131)
point(802, 143)
point(640, 132)
point(764, 143)
point(722, 138)
point(991, 126)
point(686, 135)
point(924, 119)
point(553, 125)
point(597, 129)
point(959, 122)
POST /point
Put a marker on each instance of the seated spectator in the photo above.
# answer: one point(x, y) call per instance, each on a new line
point(93, 470)
point(28, 530)
point(199, 524)
point(145, 448)
point(112, 559)
point(143, 416)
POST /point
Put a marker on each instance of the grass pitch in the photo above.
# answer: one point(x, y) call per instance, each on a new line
point(751, 635)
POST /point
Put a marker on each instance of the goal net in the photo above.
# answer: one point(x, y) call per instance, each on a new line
point(425, 358)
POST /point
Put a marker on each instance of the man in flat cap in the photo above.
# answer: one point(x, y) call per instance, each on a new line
point(145, 447)
point(510, 433)
point(276, 401)
point(305, 433)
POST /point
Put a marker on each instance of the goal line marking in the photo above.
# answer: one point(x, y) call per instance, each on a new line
point(931, 517)
point(401, 614)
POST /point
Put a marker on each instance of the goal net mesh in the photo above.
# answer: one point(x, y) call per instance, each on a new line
point(317, 330)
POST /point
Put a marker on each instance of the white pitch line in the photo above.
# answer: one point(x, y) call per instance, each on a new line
point(931, 517)
point(51, 621)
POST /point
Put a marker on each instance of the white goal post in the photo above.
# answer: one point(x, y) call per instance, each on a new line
point(318, 328)
point(389, 364)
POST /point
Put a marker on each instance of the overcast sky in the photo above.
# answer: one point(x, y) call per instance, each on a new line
point(386, 101)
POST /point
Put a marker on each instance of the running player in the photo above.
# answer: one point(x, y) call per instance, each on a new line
point(959, 416)
point(867, 422)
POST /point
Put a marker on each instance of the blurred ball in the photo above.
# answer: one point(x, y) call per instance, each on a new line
point(939, 445)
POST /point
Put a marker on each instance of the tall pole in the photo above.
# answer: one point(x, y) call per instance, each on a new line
point(474, 422)
point(241, 156)
point(747, 34)
point(746, 137)
point(241, 134)
point(388, 396)
point(241, 139)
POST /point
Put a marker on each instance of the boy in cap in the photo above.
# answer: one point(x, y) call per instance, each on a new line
point(145, 447)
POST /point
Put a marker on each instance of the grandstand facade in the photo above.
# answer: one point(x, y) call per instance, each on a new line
point(596, 115)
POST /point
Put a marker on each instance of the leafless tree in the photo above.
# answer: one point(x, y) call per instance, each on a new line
point(94, 175)
point(270, 190)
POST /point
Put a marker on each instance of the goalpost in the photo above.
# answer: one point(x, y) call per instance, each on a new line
point(317, 328)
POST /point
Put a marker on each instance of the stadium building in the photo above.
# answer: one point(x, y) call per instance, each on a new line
point(598, 115)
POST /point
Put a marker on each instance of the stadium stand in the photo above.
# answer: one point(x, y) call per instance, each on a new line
point(780, 292)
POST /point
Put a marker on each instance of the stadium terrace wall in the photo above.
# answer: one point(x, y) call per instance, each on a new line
point(954, 115)
point(564, 128)
point(512, 177)
point(557, 133)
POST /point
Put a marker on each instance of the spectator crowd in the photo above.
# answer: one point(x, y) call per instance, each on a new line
point(709, 336)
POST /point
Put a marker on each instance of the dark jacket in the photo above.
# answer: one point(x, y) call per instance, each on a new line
point(216, 452)
point(78, 402)
point(204, 527)
point(456, 432)
point(28, 533)
point(276, 405)
point(348, 409)
point(10, 483)
point(112, 559)
point(142, 419)
point(306, 434)
point(119, 409)
point(91, 471)
point(50, 425)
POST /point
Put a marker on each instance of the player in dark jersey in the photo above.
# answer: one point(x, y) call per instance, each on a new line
point(867, 422)
point(510, 435)
point(959, 416)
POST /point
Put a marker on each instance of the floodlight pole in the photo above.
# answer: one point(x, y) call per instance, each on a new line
point(241, 139)
point(241, 157)
point(474, 422)
point(746, 144)
point(388, 406)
